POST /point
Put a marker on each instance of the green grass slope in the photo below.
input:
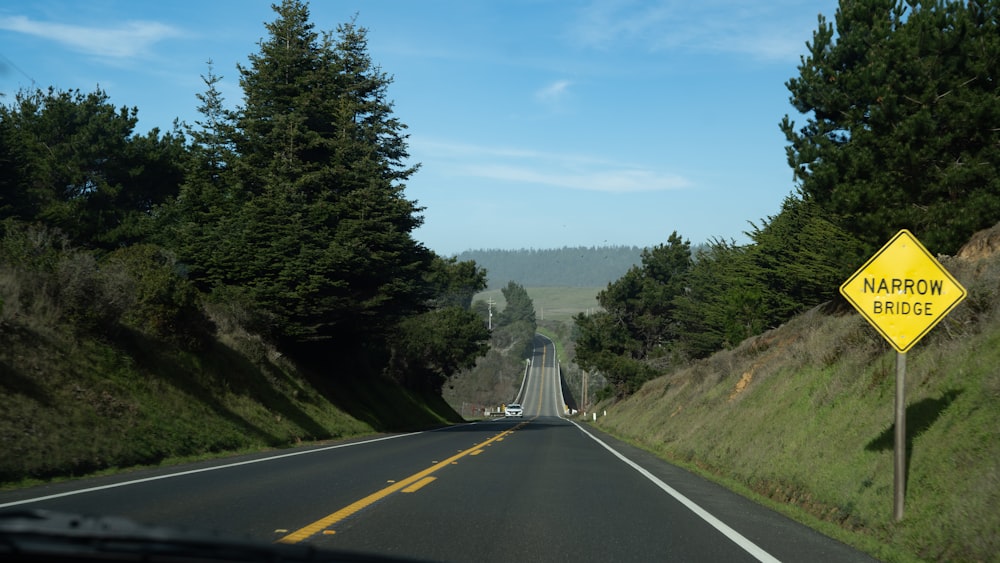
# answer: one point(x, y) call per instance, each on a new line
point(802, 418)
point(74, 405)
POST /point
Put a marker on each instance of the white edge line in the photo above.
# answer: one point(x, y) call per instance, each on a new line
point(747, 545)
point(202, 470)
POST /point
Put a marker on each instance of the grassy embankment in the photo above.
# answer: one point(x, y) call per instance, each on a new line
point(74, 405)
point(801, 418)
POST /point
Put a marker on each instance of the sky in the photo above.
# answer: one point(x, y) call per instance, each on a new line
point(537, 124)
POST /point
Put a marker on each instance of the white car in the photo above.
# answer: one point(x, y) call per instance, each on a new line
point(513, 409)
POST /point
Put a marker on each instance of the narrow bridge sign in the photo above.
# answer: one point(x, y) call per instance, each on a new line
point(903, 291)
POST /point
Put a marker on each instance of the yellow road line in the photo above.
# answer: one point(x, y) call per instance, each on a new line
point(541, 383)
point(419, 485)
point(332, 519)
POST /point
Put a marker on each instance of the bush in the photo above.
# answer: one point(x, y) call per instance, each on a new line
point(90, 299)
point(164, 304)
point(45, 278)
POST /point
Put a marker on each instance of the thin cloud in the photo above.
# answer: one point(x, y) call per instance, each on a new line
point(598, 180)
point(602, 24)
point(128, 40)
point(743, 27)
point(553, 92)
point(562, 170)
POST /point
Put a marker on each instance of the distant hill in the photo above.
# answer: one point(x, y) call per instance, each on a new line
point(560, 267)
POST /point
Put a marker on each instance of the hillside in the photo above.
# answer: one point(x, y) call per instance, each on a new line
point(802, 417)
point(77, 404)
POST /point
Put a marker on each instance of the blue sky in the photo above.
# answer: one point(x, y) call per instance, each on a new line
point(537, 123)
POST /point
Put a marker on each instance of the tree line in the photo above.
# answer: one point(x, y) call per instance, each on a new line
point(290, 210)
point(569, 266)
point(902, 130)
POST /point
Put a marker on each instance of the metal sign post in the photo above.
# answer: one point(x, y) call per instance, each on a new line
point(903, 291)
point(899, 463)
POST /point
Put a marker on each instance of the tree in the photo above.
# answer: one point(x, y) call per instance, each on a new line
point(723, 302)
point(76, 164)
point(664, 271)
point(455, 283)
point(518, 308)
point(429, 347)
point(800, 258)
point(323, 237)
point(212, 140)
point(637, 326)
point(516, 323)
point(15, 201)
point(902, 108)
point(200, 222)
point(604, 345)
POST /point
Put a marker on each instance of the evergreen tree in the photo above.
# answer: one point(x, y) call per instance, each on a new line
point(430, 347)
point(212, 139)
point(199, 224)
point(518, 308)
point(455, 282)
point(15, 201)
point(723, 303)
point(605, 345)
point(516, 323)
point(903, 106)
point(637, 326)
point(664, 272)
point(76, 164)
point(800, 258)
point(323, 238)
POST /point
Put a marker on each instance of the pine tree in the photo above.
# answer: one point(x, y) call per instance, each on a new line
point(325, 228)
point(903, 106)
point(800, 258)
point(637, 327)
point(80, 167)
point(430, 347)
point(199, 225)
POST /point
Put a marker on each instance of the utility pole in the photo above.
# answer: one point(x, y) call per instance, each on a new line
point(491, 303)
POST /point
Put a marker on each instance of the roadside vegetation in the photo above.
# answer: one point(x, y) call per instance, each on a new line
point(245, 281)
point(495, 378)
point(900, 107)
point(289, 209)
point(76, 401)
point(251, 281)
point(742, 361)
point(801, 417)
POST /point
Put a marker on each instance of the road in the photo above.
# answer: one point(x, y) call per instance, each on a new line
point(540, 394)
point(541, 488)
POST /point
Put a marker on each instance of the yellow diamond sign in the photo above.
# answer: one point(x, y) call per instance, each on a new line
point(903, 291)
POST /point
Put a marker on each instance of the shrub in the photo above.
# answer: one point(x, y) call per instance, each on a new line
point(47, 279)
point(164, 304)
point(90, 299)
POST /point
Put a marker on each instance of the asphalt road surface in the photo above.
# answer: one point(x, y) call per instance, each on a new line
point(539, 488)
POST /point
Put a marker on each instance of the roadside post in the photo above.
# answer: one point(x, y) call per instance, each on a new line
point(903, 291)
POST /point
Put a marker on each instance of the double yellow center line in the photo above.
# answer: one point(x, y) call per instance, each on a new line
point(541, 382)
point(410, 484)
